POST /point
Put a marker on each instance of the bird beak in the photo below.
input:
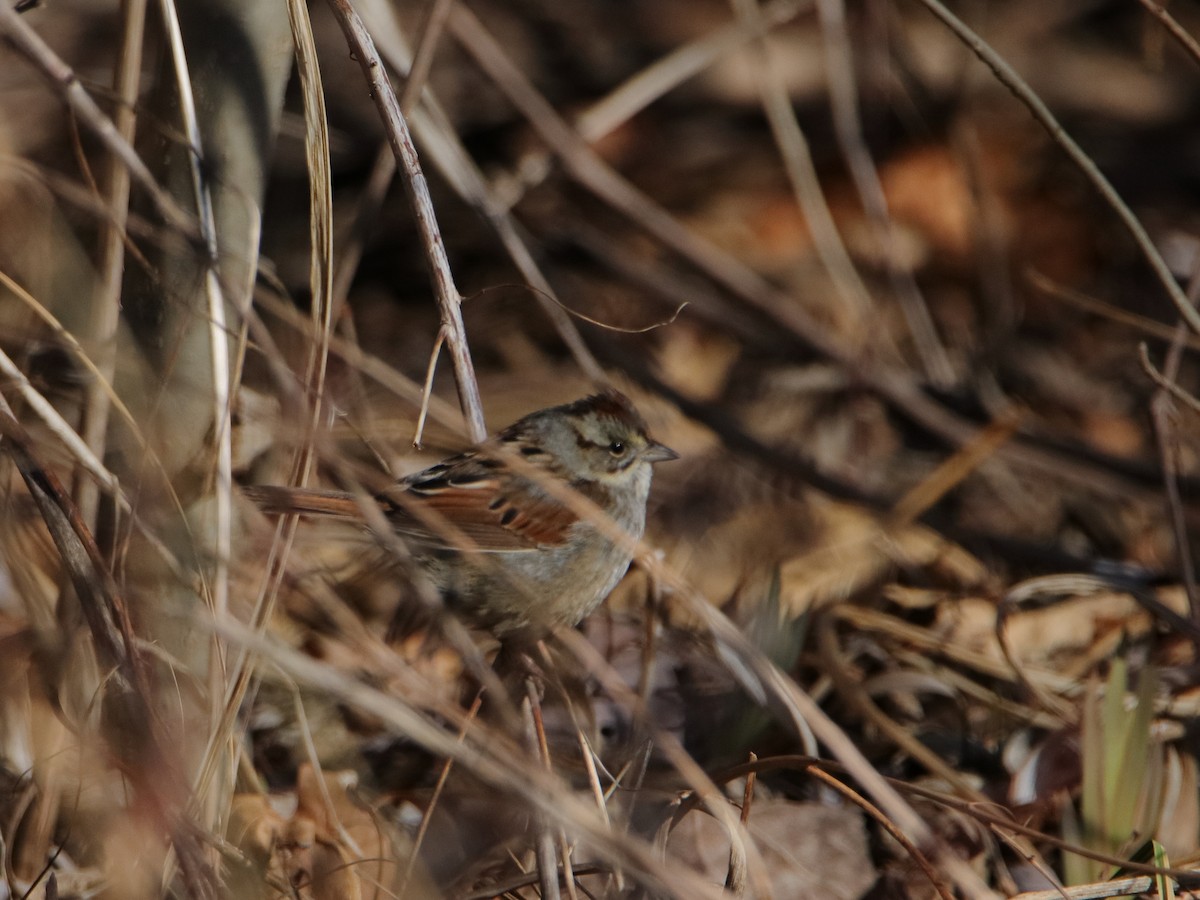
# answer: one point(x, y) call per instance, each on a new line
point(656, 452)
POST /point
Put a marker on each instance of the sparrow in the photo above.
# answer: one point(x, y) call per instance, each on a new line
point(493, 528)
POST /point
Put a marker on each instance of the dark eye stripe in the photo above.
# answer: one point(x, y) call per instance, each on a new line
point(509, 515)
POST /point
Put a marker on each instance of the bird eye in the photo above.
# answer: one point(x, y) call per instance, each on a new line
point(617, 448)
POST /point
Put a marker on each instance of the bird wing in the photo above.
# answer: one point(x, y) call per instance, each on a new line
point(467, 500)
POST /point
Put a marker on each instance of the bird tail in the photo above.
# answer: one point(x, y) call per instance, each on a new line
point(275, 500)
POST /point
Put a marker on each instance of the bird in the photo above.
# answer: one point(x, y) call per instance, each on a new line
point(494, 528)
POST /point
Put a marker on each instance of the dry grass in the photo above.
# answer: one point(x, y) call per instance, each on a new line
point(916, 615)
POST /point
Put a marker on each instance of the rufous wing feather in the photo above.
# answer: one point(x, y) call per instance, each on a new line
point(476, 514)
point(486, 514)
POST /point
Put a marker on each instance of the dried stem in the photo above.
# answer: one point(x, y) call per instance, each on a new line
point(1008, 76)
point(847, 123)
point(494, 761)
point(18, 34)
point(896, 387)
point(535, 743)
point(106, 308)
point(801, 171)
point(448, 298)
point(1163, 415)
point(418, 72)
point(1177, 31)
point(464, 175)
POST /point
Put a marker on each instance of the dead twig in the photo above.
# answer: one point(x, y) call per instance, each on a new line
point(1177, 31)
point(939, 885)
point(449, 301)
point(847, 124)
point(894, 386)
point(450, 157)
point(418, 73)
point(535, 741)
point(128, 699)
point(1163, 415)
point(1008, 76)
point(21, 37)
point(735, 876)
point(106, 308)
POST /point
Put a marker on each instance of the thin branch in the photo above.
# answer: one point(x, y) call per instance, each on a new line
point(535, 744)
point(423, 414)
point(1177, 31)
point(1155, 329)
point(384, 168)
point(494, 761)
point(1165, 383)
point(896, 387)
point(650, 84)
point(449, 300)
point(887, 824)
point(17, 33)
point(847, 124)
point(106, 306)
point(802, 173)
point(418, 73)
point(1163, 415)
point(460, 170)
point(370, 201)
point(1008, 76)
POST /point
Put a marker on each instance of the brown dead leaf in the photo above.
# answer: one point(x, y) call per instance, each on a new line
point(697, 362)
point(256, 829)
point(353, 852)
point(927, 190)
point(254, 825)
point(852, 550)
point(330, 848)
point(1059, 634)
point(1114, 433)
point(1179, 821)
